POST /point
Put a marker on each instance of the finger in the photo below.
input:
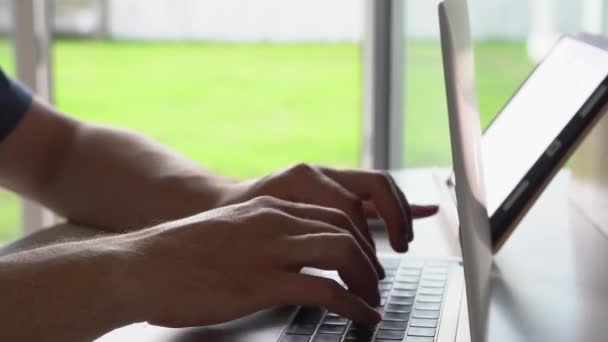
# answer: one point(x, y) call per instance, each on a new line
point(422, 211)
point(339, 252)
point(370, 210)
point(309, 290)
point(378, 188)
point(314, 187)
point(405, 205)
point(308, 214)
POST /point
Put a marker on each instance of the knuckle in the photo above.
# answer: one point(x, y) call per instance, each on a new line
point(340, 217)
point(302, 169)
point(349, 245)
point(355, 204)
point(267, 213)
point(383, 178)
point(265, 201)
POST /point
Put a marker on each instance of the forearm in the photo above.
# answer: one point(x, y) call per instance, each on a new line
point(119, 180)
point(66, 292)
point(101, 176)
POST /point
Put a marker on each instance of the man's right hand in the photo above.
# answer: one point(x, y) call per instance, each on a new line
point(226, 263)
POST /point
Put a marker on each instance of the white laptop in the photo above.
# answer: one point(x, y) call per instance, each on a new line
point(422, 300)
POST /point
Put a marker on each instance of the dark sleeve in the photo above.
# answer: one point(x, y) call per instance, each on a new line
point(14, 102)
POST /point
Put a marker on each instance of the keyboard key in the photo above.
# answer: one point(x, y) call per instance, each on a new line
point(393, 325)
point(387, 280)
point(423, 323)
point(432, 283)
point(335, 320)
point(327, 338)
point(431, 314)
point(429, 298)
point(401, 300)
point(419, 339)
point(390, 335)
point(435, 277)
point(331, 329)
point(359, 335)
point(398, 308)
point(427, 332)
point(412, 264)
point(409, 272)
point(294, 338)
point(301, 329)
point(396, 316)
point(427, 306)
point(408, 279)
point(362, 327)
point(384, 287)
point(404, 293)
point(388, 262)
point(406, 286)
point(384, 293)
point(430, 291)
point(309, 315)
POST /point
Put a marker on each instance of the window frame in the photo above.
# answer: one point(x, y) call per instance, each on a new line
point(32, 43)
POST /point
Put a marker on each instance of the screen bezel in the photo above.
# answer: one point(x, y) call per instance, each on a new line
point(504, 220)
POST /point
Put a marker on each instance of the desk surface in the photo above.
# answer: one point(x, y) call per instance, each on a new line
point(549, 282)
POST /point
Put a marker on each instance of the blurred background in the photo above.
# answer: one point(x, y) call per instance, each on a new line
point(248, 86)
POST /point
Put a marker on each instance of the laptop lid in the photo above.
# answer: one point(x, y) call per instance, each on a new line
point(465, 132)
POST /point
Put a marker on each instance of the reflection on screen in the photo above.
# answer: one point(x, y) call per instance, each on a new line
point(524, 129)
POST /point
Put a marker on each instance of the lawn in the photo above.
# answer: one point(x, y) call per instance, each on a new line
point(246, 109)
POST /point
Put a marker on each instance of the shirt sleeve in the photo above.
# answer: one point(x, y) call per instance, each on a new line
point(15, 99)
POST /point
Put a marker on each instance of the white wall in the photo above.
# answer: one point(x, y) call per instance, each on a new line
point(312, 20)
point(238, 20)
point(294, 20)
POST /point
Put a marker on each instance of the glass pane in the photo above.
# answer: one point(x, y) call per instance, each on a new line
point(500, 30)
point(9, 202)
point(241, 92)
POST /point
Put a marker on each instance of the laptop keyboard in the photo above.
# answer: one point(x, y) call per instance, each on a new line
point(411, 298)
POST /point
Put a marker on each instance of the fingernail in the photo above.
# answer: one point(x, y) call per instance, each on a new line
point(381, 271)
point(376, 318)
point(431, 209)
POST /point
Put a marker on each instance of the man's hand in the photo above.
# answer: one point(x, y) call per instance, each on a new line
point(209, 268)
point(358, 193)
point(232, 261)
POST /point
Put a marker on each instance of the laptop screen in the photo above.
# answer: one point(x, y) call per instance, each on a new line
point(537, 113)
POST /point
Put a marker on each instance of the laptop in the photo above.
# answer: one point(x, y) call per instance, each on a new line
point(421, 300)
point(540, 126)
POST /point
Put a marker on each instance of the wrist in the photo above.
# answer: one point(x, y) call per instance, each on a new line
point(122, 281)
point(235, 192)
point(79, 279)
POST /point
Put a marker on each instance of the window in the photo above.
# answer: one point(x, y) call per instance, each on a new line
point(242, 92)
point(248, 87)
point(502, 64)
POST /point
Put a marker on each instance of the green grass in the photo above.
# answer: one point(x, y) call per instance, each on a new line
point(246, 109)
point(501, 67)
